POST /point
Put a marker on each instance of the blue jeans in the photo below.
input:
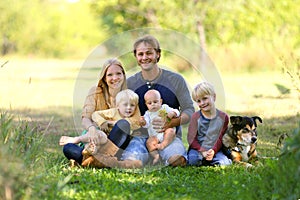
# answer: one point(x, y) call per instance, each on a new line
point(119, 135)
point(137, 150)
point(73, 151)
point(195, 158)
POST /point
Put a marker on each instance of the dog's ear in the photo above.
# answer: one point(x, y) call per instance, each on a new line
point(256, 118)
point(235, 119)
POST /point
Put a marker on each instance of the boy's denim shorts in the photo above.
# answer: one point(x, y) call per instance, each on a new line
point(136, 150)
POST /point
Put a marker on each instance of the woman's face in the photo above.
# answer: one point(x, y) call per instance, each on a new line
point(114, 77)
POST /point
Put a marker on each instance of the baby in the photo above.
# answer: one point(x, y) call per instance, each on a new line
point(161, 139)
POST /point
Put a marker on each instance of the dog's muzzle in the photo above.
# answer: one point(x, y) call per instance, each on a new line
point(253, 139)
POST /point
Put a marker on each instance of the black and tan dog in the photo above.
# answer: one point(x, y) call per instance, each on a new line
point(239, 141)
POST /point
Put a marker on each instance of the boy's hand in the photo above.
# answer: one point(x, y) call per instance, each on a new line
point(111, 123)
point(104, 127)
point(209, 154)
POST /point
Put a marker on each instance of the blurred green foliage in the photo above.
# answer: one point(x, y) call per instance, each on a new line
point(20, 154)
point(64, 29)
point(47, 28)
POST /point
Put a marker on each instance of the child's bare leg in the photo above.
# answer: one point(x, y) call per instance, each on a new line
point(151, 146)
point(151, 143)
point(67, 139)
point(169, 136)
point(100, 135)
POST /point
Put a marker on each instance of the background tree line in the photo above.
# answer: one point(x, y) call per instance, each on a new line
point(55, 28)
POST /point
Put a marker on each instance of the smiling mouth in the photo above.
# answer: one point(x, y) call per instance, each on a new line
point(116, 83)
point(146, 62)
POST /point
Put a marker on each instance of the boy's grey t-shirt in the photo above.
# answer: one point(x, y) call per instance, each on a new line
point(209, 130)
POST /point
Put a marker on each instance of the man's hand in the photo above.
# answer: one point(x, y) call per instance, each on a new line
point(158, 124)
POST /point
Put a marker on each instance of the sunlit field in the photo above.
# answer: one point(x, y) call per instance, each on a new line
point(39, 93)
point(34, 83)
point(29, 83)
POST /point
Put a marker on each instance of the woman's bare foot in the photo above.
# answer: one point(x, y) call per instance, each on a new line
point(102, 137)
point(66, 139)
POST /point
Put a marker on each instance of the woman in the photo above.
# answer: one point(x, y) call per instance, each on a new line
point(100, 97)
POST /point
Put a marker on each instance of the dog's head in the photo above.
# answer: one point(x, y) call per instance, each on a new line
point(245, 129)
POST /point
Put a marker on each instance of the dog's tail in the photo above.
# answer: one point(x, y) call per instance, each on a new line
point(267, 157)
point(256, 118)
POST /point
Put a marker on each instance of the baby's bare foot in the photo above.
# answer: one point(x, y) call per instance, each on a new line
point(155, 159)
point(160, 146)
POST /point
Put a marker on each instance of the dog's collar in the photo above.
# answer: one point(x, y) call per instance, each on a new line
point(240, 149)
point(236, 149)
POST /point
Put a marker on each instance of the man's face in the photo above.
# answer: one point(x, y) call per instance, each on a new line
point(146, 56)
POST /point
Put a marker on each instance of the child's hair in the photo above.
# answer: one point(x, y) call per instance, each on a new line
point(127, 95)
point(202, 89)
point(151, 92)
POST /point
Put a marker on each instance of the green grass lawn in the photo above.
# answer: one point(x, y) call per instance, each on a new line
point(39, 94)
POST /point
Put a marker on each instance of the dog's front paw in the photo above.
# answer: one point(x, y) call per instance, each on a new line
point(248, 165)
